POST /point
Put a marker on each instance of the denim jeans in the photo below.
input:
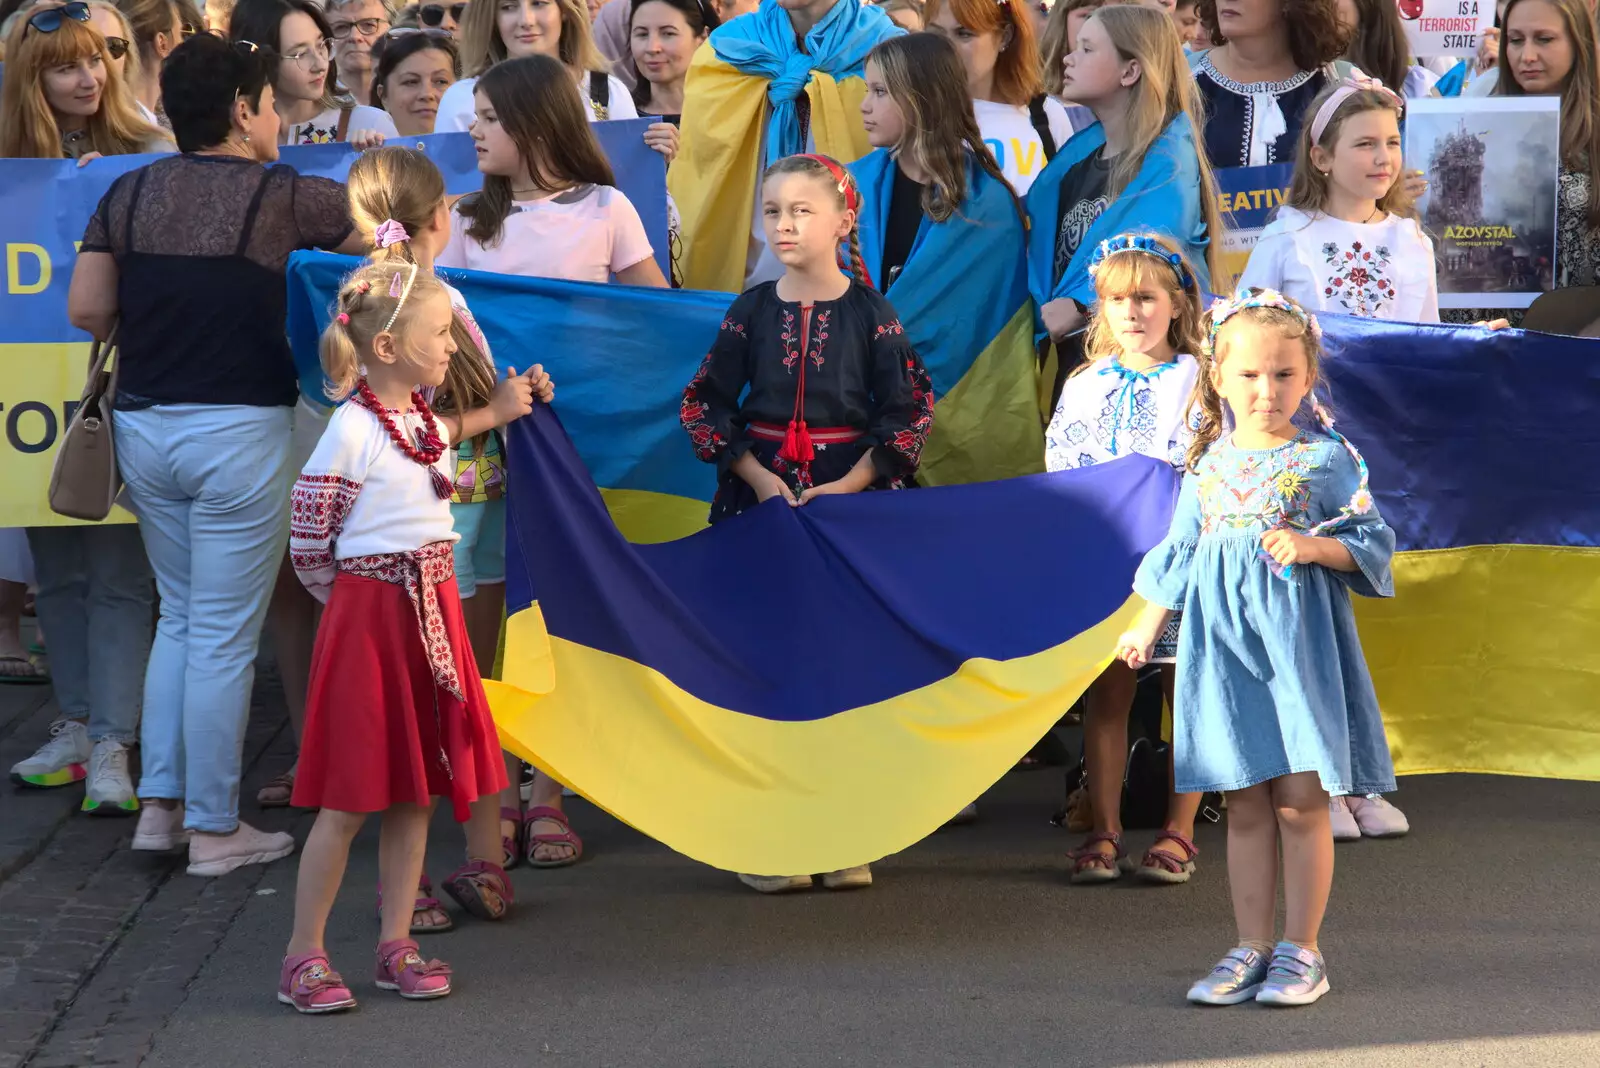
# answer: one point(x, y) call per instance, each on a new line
point(94, 608)
point(210, 484)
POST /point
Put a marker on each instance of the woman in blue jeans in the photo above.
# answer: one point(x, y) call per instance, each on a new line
point(185, 257)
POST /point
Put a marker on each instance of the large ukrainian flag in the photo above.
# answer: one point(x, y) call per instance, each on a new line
point(804, 691)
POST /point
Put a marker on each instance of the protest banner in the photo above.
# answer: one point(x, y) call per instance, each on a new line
point(47, 204)
point(1247, 197)
point(1446, 27)
point(1492, 165)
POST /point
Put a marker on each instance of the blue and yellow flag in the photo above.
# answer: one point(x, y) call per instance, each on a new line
point(740, 110)
point(803, 691)
point(963, 297)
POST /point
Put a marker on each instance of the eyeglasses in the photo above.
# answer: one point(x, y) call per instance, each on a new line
point(368, 28)
point(433, 14)
point(50, 19)
point(117, 46)
point(320, 50)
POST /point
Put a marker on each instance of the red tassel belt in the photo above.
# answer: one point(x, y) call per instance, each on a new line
point(823, 435)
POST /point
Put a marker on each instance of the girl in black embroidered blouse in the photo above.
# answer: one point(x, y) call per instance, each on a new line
point(811, 387)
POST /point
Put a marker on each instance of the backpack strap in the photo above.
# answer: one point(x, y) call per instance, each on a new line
point(344, 123)
point(600, 93)
point(1041, 126)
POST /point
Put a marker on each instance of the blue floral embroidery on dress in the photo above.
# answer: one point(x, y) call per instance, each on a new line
point(1136, 418)
point(1085, 460)
point(1075, 432)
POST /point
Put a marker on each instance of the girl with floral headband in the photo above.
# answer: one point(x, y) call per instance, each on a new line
point(1275, 526)
point(811, 387)
point(396, 714)
point(1132, 396)
point(1347, 240)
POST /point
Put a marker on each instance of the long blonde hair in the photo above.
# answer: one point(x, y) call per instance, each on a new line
point(367, 302)
point(132, 63)
point(482, 46)
point(29, 129)
point(394, 184)
point(1310, 187)
point(1165, 93)
point(1580, 123)
point(1206, 399)
point(1130, 271)
point(1056, 42)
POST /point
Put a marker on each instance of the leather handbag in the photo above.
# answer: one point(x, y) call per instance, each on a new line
point(84, 481)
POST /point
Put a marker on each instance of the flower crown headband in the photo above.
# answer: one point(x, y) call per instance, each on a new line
point(1360, 502)
point(1140, 243)
point(1356, 83)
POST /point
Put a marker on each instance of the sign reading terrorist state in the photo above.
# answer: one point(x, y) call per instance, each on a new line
point(1492, 165)
point(1445, 27)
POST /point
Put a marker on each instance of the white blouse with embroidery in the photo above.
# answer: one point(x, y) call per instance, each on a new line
point(1381, 270)
point(359, 495)
point(1107, 411)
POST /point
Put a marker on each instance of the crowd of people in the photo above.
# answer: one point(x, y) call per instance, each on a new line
point(368, 537)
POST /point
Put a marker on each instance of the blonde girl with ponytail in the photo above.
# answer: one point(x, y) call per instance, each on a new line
point(834, 397)
point(396, 716)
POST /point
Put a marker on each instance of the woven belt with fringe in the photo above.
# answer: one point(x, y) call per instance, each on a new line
point(421, 573)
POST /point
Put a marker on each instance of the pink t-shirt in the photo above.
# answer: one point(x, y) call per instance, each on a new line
point(585, 234)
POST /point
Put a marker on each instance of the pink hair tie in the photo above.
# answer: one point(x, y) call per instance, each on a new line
point(390, 233)
point(1356, 83)
point(344, 318)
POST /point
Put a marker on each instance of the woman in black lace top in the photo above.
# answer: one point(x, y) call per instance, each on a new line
point(185, 258)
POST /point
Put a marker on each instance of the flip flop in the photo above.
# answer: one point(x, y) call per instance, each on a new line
point(566, 837)
point(36, 675)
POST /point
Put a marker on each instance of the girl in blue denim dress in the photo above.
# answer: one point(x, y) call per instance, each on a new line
point(1275, 526)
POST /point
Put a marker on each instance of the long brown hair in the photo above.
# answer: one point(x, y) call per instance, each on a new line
point(1165, 93)
point(1378, 45)
point(1309, 189)
point(925, 77)
point(536, 102)
point(1016, 70)
point(149, 18)
point(482, 46)
point(1316, 37)
point(1580, 125)
point(403, 185)
point(1122, 274)
point(1208, 401)
point(28, 127)
point(845, 190)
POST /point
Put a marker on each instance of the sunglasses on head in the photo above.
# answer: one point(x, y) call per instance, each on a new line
point(433, 14)
point(50, 19)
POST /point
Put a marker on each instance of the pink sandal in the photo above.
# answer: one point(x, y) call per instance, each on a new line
point(309, 984)
point(1089, 865)
point(482, 888)
point(401, 968)
point(532, 841)
point(510, 845)
point(1163, 865)
point(425, 902)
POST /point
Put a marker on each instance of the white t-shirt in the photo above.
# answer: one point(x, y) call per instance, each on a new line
point(1008, 131)
point(585, 234)
point(359, 495)
point(324, 129)
point(1381, 270)
point(1482, 84)
point(457, 109)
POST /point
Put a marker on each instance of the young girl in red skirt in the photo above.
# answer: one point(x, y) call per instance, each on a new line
point(396, 714)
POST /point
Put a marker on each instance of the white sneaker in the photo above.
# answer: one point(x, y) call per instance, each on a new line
point(61, 761)
point(776, 884)
point(1377, 818)
point(160, 829)
point(1345, 828)
point(218, 854)
point(110, 790)
point(854, 878)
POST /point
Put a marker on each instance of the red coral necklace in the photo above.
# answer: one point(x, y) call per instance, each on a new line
point(428, 448)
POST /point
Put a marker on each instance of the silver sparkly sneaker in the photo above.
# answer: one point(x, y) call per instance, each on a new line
point(1297, 977)
point(1236, 978)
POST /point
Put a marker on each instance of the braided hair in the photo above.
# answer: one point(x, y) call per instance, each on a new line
point(830, 173)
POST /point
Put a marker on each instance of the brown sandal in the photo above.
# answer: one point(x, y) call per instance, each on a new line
point(278, 791)
point(1089, 865)
point(1165, 866)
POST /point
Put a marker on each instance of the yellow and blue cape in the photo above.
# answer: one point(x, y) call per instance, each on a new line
point(740, 112)
point(963, 298)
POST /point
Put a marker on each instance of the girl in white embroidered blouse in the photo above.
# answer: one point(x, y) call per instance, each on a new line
point(1131, 396)
point(396, 715)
